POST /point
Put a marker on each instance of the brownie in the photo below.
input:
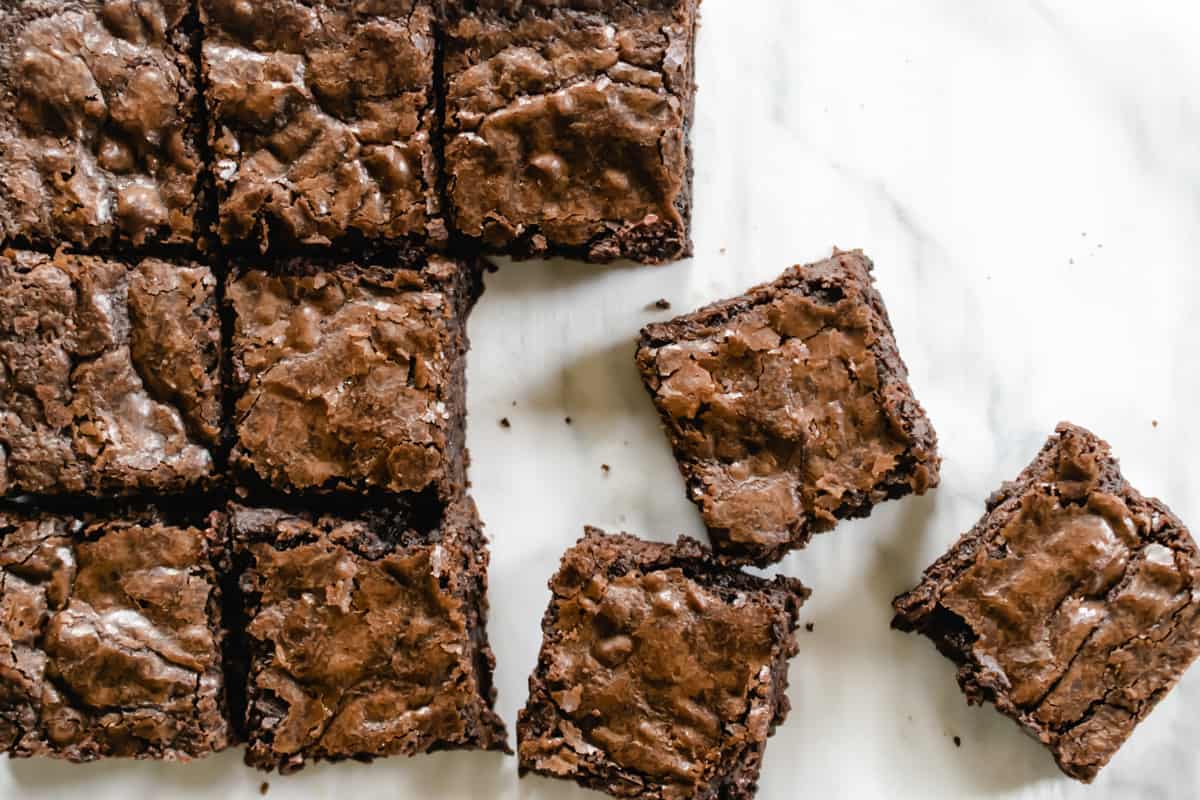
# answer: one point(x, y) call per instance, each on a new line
point(1073, 605)
point(110, 636)
point(322, 121)
point(662, 672)
point(789, 408)
point(366, 636)
point(99, 123)
point(567, 126)
point(109, 374)
point(352, 377)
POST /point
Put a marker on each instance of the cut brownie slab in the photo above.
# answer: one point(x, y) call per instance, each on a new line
point(109, 375)
point(662, 673)
point(366, 637)
point(567, 126)
point(322, 116)
point(1073, 605)
point(98, 123)
point(110, 636)
point(352, 377)
point(789, 408)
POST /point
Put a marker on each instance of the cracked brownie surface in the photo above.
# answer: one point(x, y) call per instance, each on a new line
point(110, 637)
point(322, 115)
point(789, 408)
point(98, 123)
point(661, 674)
point(366, 637)
point(567, 125)
point(1073, 605)
point(352, 377)
point(108, 374)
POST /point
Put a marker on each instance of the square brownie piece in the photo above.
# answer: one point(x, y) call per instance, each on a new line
point(110, 635)
point(98, 123)
point(662, 672)
point(789, 408)
point(322, 120)
point(567, 126)
point(352, 377)
point(1073, 605)
point(109, 375)
point(366, 636)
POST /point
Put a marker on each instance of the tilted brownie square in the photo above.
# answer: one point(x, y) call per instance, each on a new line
point(352, 377)
point(322, 117)
point(366, 637)
point(98, 123)
point(567, 126)
point(662, 672)
point(1073, 605)
point(109, 375)
point(789, 408)
point(110, 636)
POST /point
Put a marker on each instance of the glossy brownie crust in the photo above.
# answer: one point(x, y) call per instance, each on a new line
point(352, 377)
point(110, 636)
point(567, 126)
point(365, 637)
point(322, 121)
point(98, 123)
point(662, 673)
point(789, 408)
point(1073, 605)
point(109, 375)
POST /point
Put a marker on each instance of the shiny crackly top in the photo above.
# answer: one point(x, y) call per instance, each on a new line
point(106, 640)
point(322, 116)
point(97, 141)
point(569, 125)
point(108, 374)
point(348, 379)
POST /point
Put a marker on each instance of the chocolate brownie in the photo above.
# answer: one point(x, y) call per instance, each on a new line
point(662, 673)
point(98, 123)
point(567, 125)
point(322, 119)
point(352, 377)
point(1073, 605)
point(110, 636)
point(109, 374)
point(789, 408)
point(366, 636)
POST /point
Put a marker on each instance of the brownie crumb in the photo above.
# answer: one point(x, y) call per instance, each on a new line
point(1154, 422)
point(808, 626)
point(504, 423)
point(567, 420)
point(264, 788)
point(662, 304)
point(606, 468)
point(957, 741)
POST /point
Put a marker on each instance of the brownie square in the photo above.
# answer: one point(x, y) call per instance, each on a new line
point(662, 672)
point(98, 123)
point(109, 374)
point(789, 408)
point(567, 125)
point(366, 636)
point(322, 119)
point(352, 377)
point(1073, 605)
point(110, 636)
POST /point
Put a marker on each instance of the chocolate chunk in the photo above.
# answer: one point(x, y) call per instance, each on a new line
point(789, 408)
point(109, 375)
point(1073, 605)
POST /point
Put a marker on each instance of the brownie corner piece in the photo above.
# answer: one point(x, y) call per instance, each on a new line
point(662, 672)
point(111, 635)
point(1073, 605)
point(366, 636)
point(567, 127)
point(350, 377)
point(789, 408)
point(109, 375)
point(99, 124)
point(322, 120)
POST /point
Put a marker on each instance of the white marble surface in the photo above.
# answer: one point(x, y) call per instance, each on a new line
point(1026, 176)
